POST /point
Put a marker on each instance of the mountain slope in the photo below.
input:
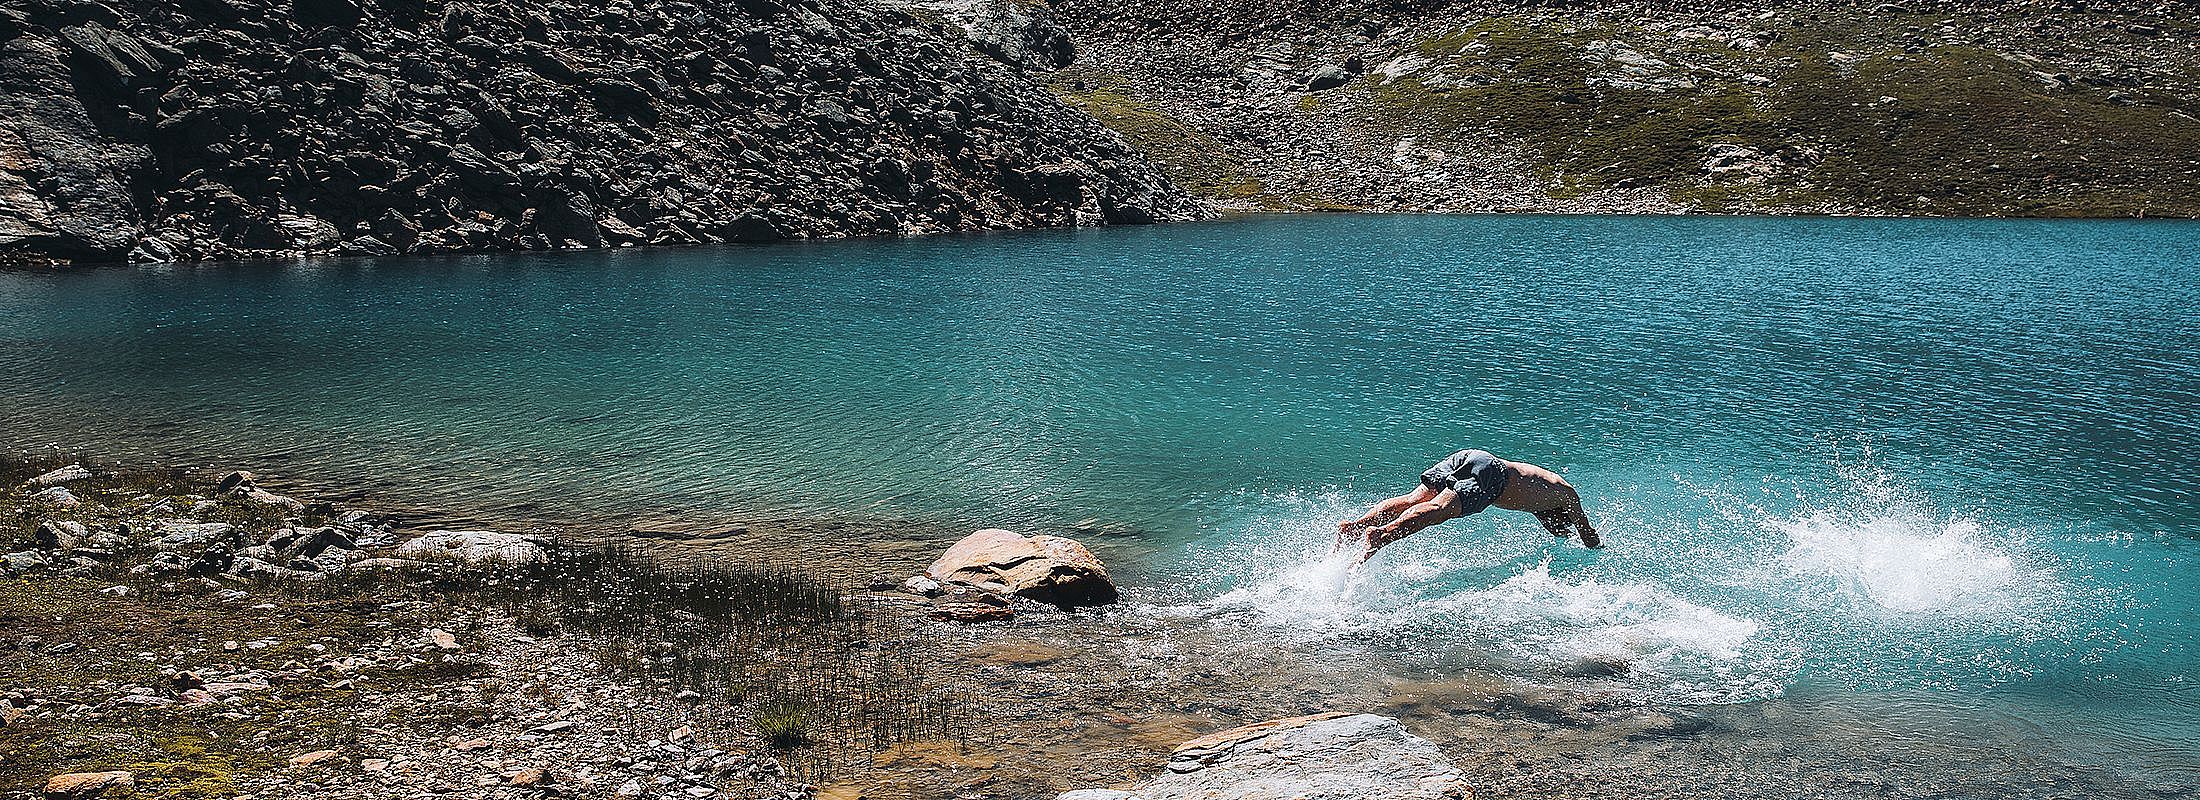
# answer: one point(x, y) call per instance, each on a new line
point(1930, 108)
point(179, 130)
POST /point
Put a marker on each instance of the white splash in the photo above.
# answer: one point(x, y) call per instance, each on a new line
point(1903, 559)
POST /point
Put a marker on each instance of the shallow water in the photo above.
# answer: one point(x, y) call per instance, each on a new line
point(1933, 478)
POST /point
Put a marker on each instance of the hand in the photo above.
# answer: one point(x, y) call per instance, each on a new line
point(1591, 540)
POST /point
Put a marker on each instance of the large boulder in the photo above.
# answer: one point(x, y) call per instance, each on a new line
point(1048, 569)
point(476, 547)
point(1320, 757)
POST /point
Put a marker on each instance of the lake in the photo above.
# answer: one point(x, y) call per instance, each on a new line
point(1935, 478)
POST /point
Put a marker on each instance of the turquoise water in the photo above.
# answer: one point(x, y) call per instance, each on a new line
point(1942, 470)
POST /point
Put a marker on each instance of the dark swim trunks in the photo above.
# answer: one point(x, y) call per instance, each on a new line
point(1476, 475)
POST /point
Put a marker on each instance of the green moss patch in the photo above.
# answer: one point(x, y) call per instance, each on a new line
point(1198, 163)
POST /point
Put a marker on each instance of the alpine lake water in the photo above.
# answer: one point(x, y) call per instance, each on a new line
point(1899, 508)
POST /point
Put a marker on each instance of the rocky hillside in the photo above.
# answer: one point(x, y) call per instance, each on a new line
point(177, 130)
point(1929, 107)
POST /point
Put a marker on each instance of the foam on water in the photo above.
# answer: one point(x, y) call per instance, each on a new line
point(1705, 596)
point(1499, 599)
point(1905, 561)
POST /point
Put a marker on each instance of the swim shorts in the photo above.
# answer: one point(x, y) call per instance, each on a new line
point(1476, 475)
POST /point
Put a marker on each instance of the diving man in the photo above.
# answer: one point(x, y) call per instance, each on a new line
point(1466, 483)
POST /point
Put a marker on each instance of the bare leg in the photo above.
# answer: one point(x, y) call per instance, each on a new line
point(1444, 506)
point(1349, 531)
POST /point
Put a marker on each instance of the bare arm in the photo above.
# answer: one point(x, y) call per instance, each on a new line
point(1589, 537)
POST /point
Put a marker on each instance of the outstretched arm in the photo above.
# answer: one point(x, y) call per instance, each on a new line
point(1589, 537)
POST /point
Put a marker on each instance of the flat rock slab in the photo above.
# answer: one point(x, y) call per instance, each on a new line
point(1319, 757)
point(476, 547)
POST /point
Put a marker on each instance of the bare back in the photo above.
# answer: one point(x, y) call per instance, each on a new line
point(1532, 488)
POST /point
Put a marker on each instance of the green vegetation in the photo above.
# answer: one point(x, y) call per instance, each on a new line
point(1196, 161)
point(1947, 130)
point(784, 723)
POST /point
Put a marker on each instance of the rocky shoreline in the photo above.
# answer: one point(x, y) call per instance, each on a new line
point(179, 635)
point(177, 638)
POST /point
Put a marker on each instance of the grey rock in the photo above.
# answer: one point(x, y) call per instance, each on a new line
point(175, 535)
point(59, 534)
point(255, 569)
point(1329, 76)
point(57, 496)
point(476, 547)
point(26, 561)
point(70, 473)
point(1319, 757)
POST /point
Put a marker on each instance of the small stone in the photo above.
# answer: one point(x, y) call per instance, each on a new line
point(88, 784)
point(440, 638)
point(310, 759)
point(554, 727)
point(530, 777)
point(469, 745)
point(700, 791)
point(375, 764)
point(681, 735)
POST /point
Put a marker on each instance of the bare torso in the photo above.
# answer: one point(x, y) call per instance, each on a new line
point(1532, 488)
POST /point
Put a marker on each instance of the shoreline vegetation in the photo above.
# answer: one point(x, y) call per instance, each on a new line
point(213, 639)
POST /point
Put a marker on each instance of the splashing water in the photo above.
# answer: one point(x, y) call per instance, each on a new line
point(1703, 599)
point(1905, 561)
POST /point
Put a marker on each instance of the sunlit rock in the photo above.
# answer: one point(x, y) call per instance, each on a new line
point(1319, 757)
point(1048, 569)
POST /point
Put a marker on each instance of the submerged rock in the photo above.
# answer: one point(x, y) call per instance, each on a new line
point(476, 547)
point(1320, 757)
point(1048, 569)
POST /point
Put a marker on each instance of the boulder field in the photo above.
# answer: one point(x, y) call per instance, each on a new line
point(216, 129)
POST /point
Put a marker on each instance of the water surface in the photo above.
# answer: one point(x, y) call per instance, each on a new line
point(1936, 478)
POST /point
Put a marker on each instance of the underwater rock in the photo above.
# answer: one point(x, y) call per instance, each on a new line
point(1330, 756)
point(1048, 569)
point(964, 604)
point(476, 546)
